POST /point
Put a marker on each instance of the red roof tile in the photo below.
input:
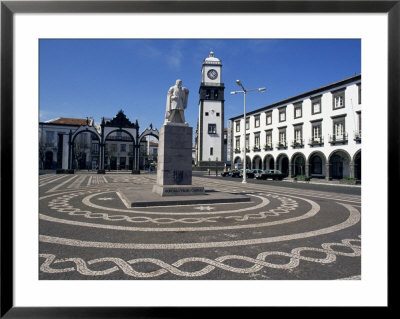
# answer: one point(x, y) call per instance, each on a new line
point(70, 121)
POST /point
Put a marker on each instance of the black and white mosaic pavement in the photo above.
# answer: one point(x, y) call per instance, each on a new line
point(88, 232)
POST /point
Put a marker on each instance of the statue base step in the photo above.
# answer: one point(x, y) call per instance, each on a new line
point(144, 197)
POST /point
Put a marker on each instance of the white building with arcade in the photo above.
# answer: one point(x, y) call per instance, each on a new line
point(316, 133)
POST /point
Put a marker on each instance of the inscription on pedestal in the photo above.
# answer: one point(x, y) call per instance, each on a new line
point(178, 190)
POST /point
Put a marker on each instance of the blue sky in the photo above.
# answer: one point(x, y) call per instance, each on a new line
point(96, 78)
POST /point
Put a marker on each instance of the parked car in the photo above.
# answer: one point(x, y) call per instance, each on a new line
point(249, 173)
point(227, 173)
point(273, 174)
point(236, 173)
point(257, 173)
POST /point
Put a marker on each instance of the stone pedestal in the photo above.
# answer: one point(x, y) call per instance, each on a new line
point(174, 167)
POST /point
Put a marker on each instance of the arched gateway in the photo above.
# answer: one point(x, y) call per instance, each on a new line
point(114, 145)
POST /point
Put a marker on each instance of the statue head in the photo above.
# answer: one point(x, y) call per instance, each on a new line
point(178, 83)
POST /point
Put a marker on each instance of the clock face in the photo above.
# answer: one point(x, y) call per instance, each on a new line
point(212, 74)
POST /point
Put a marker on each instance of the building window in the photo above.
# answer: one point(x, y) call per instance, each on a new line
point(282, 115)
point(316, 107)
point(247, 124)
point(95, 147)
point(247, 141)
point(237, 124)
point(297, 111)
point(338, 100)
point(212, 128)
point(282, 137)
point(206, 113)
point(237, 143)
point(257, 121)
point(211, 151)
point(268, 140)
point(359, 93)
point(49, 136)
point(339, 133)
point(268, 119)
point(122, 148)
point(357, 133)
point(316, 132)
point(298, 134)
point(257, 140)
point(217, 114)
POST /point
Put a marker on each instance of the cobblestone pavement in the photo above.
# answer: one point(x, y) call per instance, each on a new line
point(87, 232)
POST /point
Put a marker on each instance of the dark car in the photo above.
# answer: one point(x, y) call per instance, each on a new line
point(236, 173)
point(227, 173)
point(257, 173)
point(249, 173)
point(273, 174)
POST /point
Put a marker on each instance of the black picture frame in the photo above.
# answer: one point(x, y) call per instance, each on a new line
point(9, 8)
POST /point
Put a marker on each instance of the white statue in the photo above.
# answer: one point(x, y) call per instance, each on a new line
point(177, 99)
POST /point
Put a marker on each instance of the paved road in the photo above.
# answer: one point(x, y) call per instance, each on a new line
point(287, 231)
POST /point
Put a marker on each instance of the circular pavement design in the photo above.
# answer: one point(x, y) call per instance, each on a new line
point(86, 232)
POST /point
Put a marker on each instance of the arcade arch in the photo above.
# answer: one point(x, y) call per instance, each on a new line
point(269, 162)
point(317, 164)
point(339, 164)
point(256, 162)
point(298, 164)
point(282, 164)
point(237, 162)
point(357, 165)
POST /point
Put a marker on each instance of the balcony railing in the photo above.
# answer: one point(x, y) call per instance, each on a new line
point(357, 136)
point(281, 145)
point(256, 148)
point(298, 143)
point(316, 141)
point(338, 139)
point(237, 150)
point(268, 147)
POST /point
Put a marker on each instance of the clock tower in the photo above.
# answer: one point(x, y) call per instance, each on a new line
point(210, 131)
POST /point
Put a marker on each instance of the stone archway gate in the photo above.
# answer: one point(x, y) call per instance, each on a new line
point(119, 123)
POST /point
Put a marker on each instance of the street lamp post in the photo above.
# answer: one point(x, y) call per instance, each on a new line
point(244, 91)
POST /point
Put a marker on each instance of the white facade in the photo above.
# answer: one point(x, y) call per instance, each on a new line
point(49, 134)
point(210, 138)
point(317, 133)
